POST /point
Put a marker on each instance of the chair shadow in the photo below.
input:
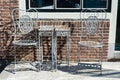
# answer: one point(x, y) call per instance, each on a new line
point(3, 64)
point(75, 70)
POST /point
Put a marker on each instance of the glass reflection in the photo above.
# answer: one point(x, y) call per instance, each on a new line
point(42, 4)
point(94, 3)
point(68, 3)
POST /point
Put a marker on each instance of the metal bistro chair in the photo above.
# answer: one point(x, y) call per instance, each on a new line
point(91, 39)
point(24, 33)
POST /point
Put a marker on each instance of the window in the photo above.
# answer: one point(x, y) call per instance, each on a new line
point(67, 5)
point(117, 42)
point(41, 4)
point(95, 4)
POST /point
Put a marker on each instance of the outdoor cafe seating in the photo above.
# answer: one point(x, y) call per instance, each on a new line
point(91, 38)
point(25, 33)
point(91, 25)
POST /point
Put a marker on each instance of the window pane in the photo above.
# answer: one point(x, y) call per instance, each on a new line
point(42, 4)
point(94, 3)
point(117, 42)
point(68, 4)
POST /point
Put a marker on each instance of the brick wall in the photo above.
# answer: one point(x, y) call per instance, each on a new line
point(6, 27)
point(75, 27)
point(27, 53)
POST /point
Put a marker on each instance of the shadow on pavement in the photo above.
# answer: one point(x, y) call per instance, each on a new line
point(75, 70)
point(3, 64)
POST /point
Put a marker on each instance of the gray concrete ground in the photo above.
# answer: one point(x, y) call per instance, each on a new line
point(111, 71)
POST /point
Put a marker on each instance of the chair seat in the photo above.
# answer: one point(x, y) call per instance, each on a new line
point(25, 42)
point(93, 44)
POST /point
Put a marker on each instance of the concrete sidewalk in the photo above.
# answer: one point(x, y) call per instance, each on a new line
point(111, 71)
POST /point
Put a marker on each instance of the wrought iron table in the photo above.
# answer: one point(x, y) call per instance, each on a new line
point(55, 31)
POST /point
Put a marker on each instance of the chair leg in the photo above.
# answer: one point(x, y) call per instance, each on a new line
point(15, 59)
point(79, 55)
point(79, 61)
point(40, 56)
point(87, 65)
point(39, 61)
point(100, 54)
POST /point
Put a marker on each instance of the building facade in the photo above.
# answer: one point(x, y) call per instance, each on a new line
point(54, 12)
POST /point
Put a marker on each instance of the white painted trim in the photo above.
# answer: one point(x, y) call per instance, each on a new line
point(117, 54)
point(22, 4)
point(112, 31)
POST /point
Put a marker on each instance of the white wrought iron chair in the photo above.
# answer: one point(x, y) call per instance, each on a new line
point(24, 31)
point(91, 39)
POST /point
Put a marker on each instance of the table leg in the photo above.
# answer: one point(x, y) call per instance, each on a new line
point(40, 51)
point(68, 51)
point(54, 51)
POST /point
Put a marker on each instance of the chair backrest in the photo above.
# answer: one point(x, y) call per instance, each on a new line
point(92, 22)
point(25, 24)
point(22, 20)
